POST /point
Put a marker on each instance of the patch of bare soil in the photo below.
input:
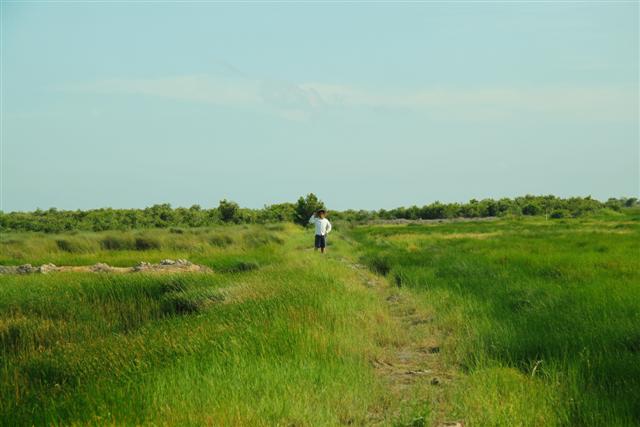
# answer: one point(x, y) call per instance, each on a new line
point(164, 266)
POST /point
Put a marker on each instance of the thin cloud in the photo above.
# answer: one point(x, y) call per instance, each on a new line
point(301, 101)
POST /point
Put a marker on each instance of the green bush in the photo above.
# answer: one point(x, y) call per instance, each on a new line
point(305, 207)
point(177, 219)
point(531, 209)
point(74, 245)
point(145, 243)
point(228, 211)
point(117, 243)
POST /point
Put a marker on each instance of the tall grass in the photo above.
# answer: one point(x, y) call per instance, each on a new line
point(540, 318)
point(129, 247)
point(280, 336)
point(544, 316)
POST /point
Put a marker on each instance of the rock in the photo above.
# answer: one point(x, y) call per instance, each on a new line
point(5, 269)
point(168, 262)
point(183, 262)
point(47, 268)
point(142, 265)
point(100, 268)
point(453, 424)
point(25, 269)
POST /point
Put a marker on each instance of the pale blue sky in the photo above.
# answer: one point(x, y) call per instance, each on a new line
point(369, 105)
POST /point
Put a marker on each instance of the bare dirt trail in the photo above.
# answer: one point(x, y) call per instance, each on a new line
point(412, 368)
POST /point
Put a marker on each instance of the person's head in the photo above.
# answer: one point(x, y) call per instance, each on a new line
point(322, 213)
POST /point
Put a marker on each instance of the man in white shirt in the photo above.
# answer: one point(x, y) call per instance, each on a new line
point(323, 227)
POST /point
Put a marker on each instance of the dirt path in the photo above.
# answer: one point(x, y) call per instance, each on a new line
point(412, 368)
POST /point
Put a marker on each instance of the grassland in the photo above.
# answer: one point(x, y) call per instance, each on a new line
point(543, 317)
point(276, 336)
point(521, 322)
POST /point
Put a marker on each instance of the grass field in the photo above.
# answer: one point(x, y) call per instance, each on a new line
point(543, 316)
point(531, 322)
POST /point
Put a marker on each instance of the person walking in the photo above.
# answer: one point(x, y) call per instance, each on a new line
point(323, 227)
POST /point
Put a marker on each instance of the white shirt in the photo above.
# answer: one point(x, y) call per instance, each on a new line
point(323, 226)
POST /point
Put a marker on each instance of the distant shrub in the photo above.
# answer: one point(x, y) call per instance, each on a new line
point(228, 211)
point(64, 245)
point(305, 207)
point(117, 243)
point(177, 219)
point(221, 240)
point(74, 245)
point(560, 213)
point(145, 243)
point(531, 209)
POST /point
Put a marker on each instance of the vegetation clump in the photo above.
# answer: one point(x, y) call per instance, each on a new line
point(74, 245)
point(117, 243)
point(145, 243)
point(229, 212)
point(220, 240)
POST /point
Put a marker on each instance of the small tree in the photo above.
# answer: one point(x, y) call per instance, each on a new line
point(531, 209)
point(228, 210)
point(305, 207)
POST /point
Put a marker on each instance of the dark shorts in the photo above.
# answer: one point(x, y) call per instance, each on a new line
point(321, 241)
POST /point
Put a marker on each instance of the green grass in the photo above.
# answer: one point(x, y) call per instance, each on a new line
point(538, 323)
point(276, 335)
point(126, 248)
point(542, 316)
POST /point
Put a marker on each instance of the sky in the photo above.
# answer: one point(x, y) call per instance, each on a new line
point(367, 105)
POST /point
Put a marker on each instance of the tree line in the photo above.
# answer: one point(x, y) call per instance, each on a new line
point(165, 216)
